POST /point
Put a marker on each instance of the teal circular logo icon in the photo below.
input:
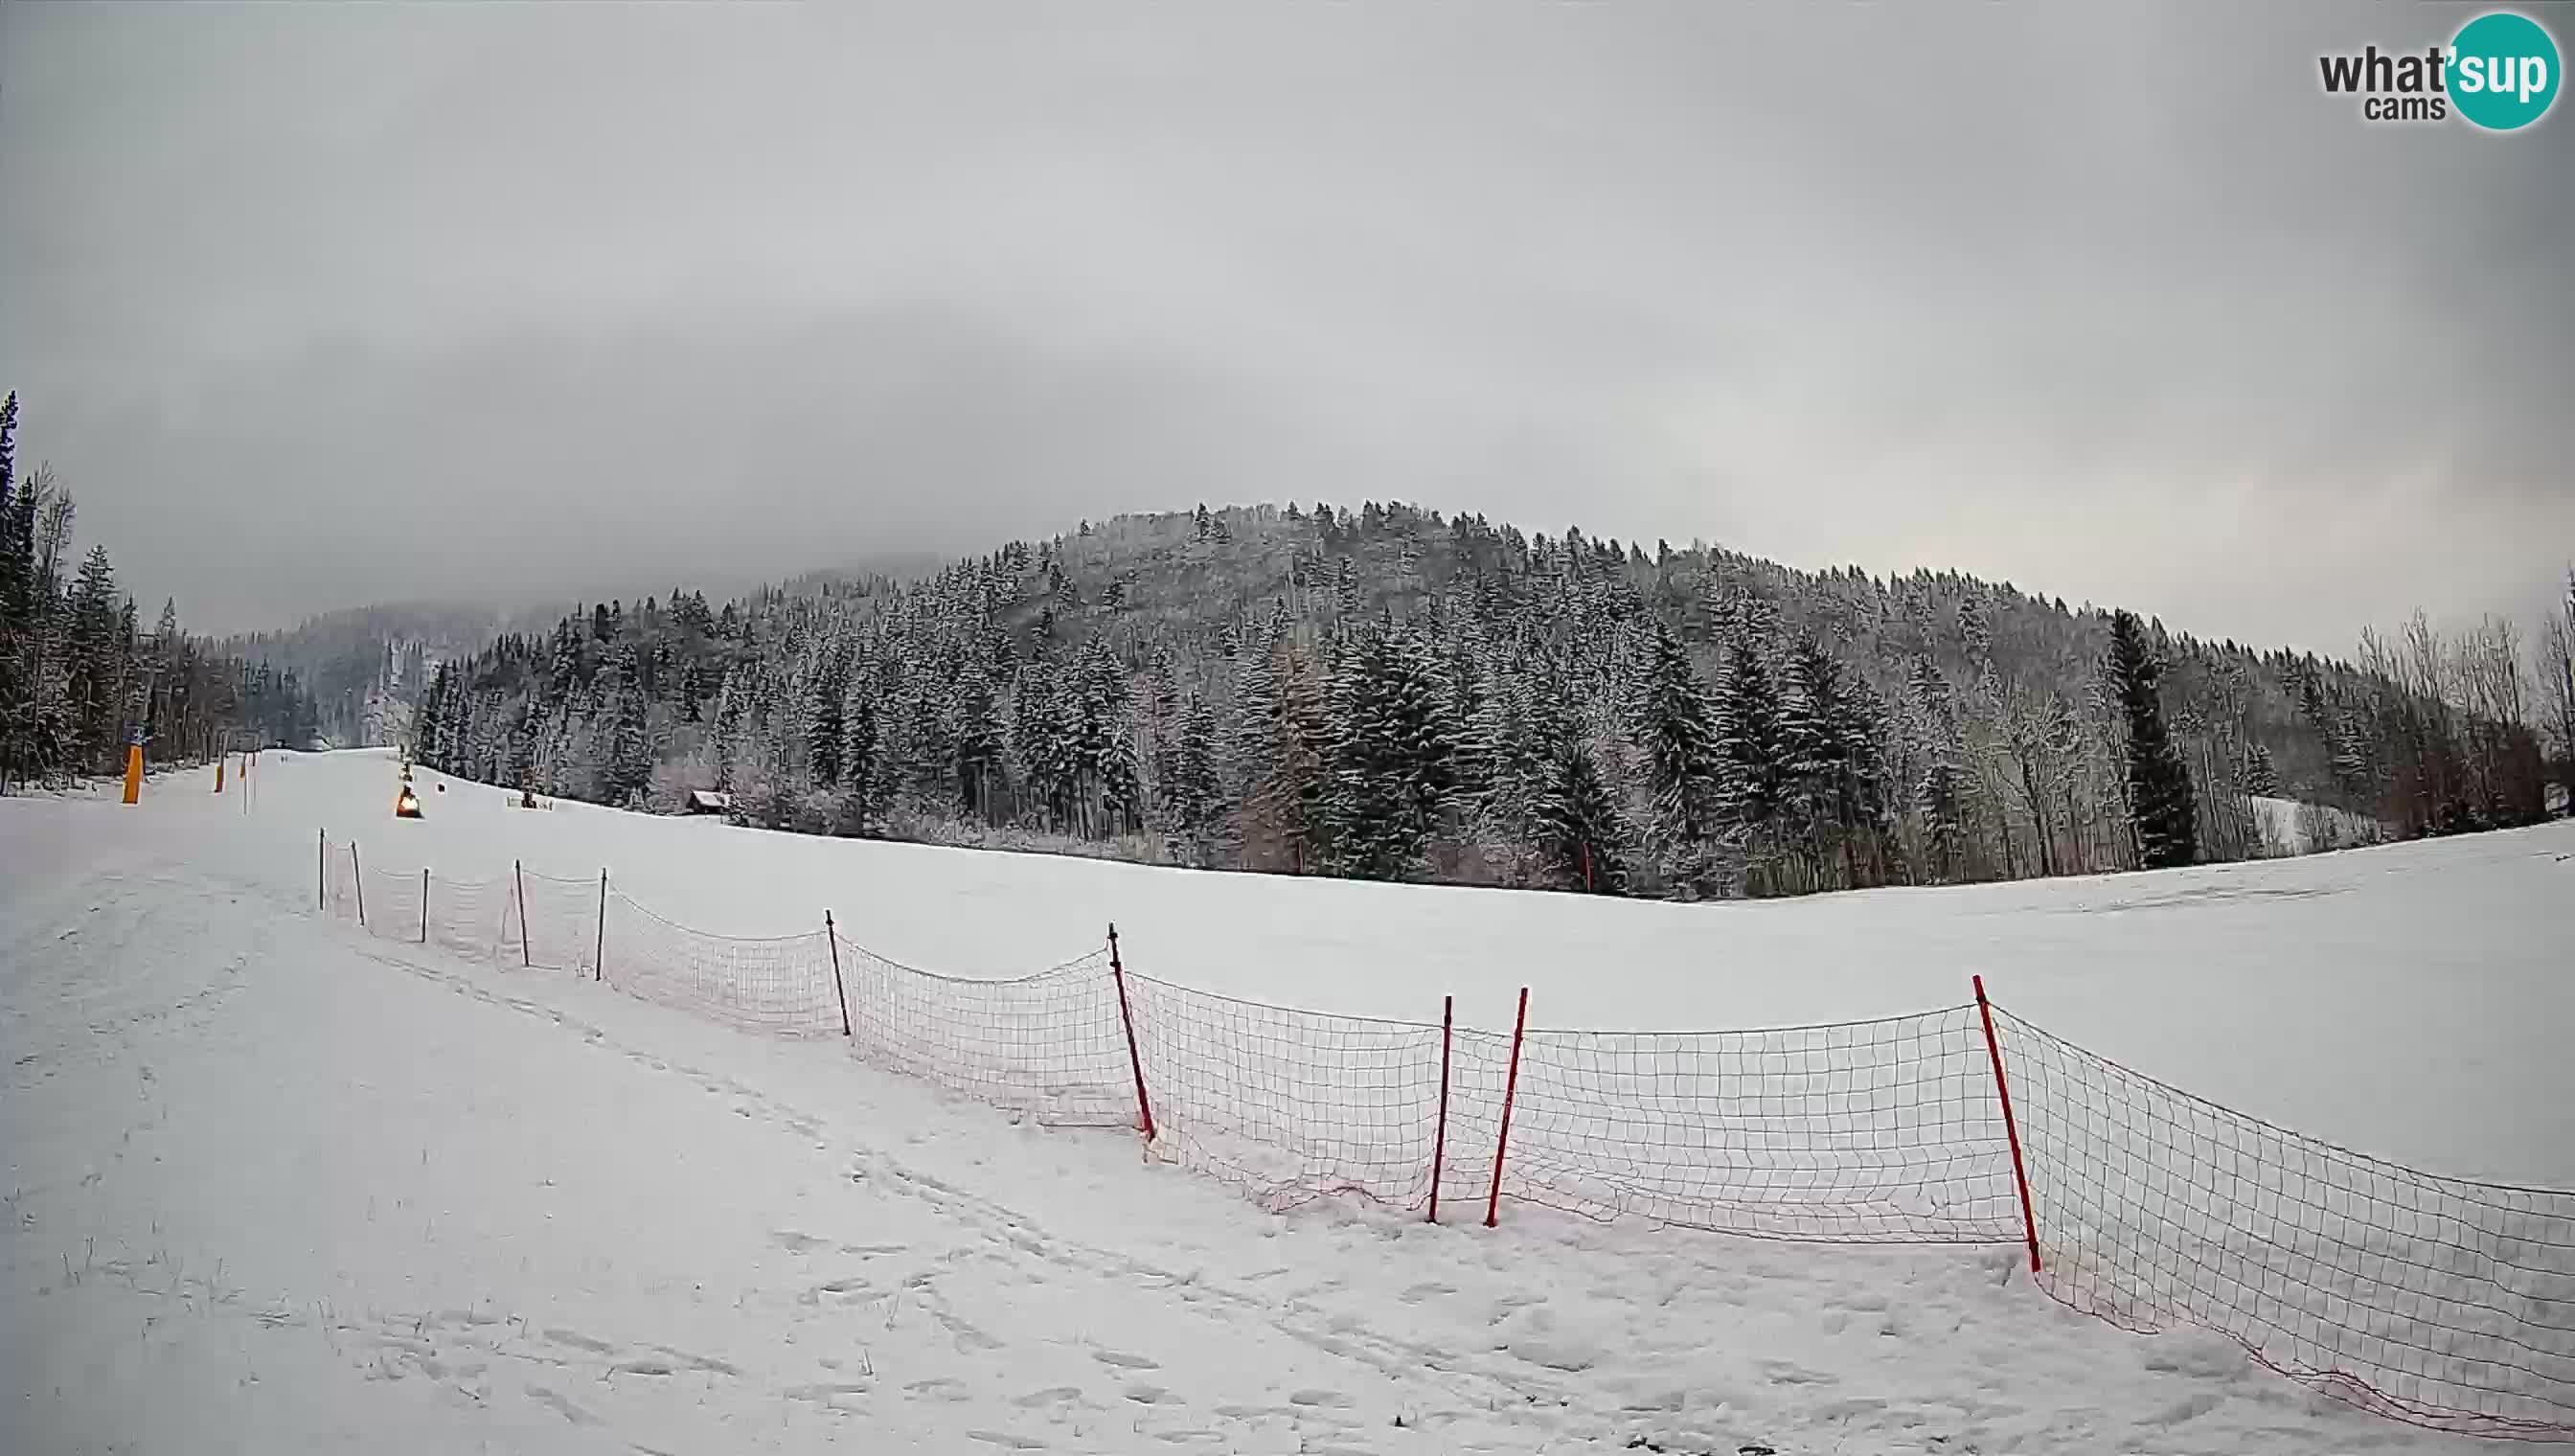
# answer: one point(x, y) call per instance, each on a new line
point(2503, 71)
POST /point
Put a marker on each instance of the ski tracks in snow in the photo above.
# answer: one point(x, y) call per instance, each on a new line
point(372, 1145)
point(322, 1188)
point(991, 1282)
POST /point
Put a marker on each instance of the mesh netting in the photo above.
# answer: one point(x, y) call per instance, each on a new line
point(2446, 1303)
point(465, 915)
point(552, 923)
point(1883, 1131)
point(1049, 1045)
point(1289, 1104)
point(396, 909)
point(781, 985)
point(2435, 1300)
point(340, 880)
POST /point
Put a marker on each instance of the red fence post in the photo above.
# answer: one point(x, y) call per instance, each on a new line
point(1439, 1139)
point(599, 953)
point(358, 878)
point(1126, 1019)
point(831, 938)
point(1511, 1090)
point(2011, 1129)
point(519, 877)
point(424, 905)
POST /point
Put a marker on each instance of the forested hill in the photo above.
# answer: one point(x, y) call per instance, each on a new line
point(368, 667)
point(1390, 693)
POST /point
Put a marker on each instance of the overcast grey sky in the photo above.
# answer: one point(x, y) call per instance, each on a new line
point(2115, 305)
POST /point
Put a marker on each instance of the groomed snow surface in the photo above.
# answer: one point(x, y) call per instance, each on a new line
point(276, 1186)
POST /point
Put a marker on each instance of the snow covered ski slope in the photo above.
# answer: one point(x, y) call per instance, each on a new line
point(276, 1183)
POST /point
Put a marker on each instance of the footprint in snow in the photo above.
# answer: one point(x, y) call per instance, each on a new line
point(1051, 1395)
point(562, 1406)
point(1328, 1399)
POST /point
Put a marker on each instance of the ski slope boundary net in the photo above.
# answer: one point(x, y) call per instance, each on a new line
point(2441, 1302)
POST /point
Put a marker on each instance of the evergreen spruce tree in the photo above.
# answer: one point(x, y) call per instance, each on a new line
point(1939, 796)
point(1389, 766)
point(425, 745)
point(627, 770)
point(1676, 731)
point(1520, 754)
point(1251, 741)
point(2159, 791)
point(726, 733)
point(95, 659)
point(1865, 800)
point(1299, 790)
point(824, 727)
point(978, 743)
point(693, 691)
point(1469, 721)
point(1103, 746)
point(1581, 835)
point(1749, 733)
point(564, 668)
point(929, 759)
point(2261, 776)
point(861, 763)
point(1193, 793)
point(1347, 600)
point(454, 721)
point(1814, 751)
point(1036, 742)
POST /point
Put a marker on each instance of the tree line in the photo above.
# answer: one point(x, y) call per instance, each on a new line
point(1387, 694)
point(80, 679)
point(366, 666)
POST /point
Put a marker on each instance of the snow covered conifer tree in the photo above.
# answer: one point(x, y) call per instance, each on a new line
point(2159, 791)
point(2261, 776)
point(425, 745)
point(630, 755)
point(1105, 744)
point(1749, 736)
point(1469, 723)
point(1192, 795)
point(1813, 750)
point(1253, 734)
point(1581, 835)
point(862, 762)
point(1036, 740)
point(1676, 731)
point(978, 738)
point(1938, 795)
point(1390, 767)
point(825, 731)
